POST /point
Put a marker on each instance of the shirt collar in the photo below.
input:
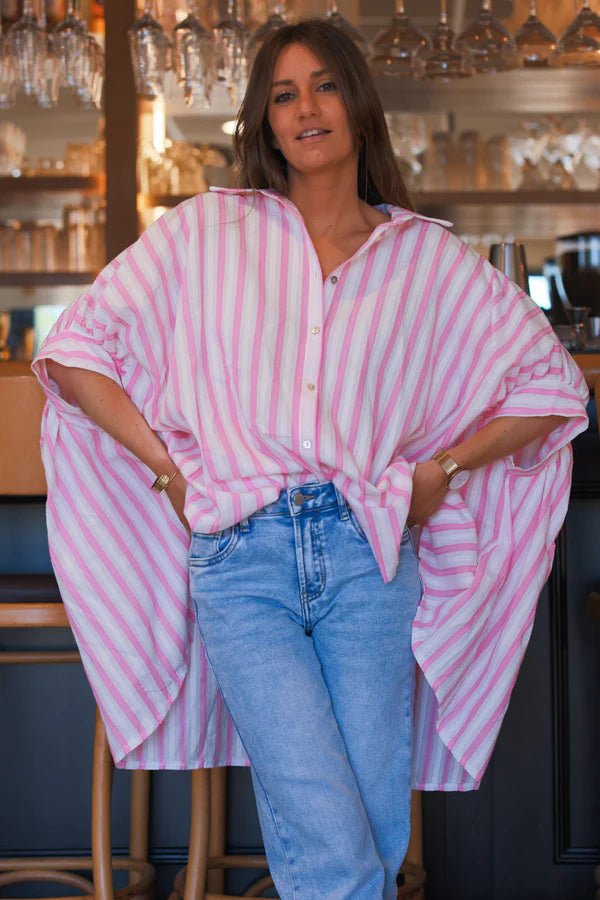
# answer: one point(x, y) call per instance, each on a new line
point(399, 214)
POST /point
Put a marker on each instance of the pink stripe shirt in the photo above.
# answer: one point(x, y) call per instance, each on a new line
point(258, 375)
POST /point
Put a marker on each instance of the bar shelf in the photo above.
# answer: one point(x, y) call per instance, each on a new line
point(45, 279)
point(51, 184)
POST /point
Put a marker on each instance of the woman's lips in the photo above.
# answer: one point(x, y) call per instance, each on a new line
point(314, 137)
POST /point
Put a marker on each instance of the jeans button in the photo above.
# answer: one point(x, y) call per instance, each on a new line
point(299, 499)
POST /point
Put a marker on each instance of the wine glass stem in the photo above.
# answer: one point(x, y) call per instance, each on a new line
point(28, 8)
point(443, 10)
point(399, 8)
point(532, 9)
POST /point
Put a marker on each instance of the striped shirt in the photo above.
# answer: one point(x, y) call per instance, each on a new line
point(259, 375)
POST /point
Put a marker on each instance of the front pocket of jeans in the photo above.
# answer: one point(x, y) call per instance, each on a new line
point(356, 525)
point(208, 549)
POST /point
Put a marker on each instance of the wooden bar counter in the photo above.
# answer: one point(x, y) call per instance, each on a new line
point(532, 829)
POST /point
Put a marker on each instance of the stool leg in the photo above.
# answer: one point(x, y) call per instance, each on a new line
point(414, 852)
point(102, 778)
point(216, 841)
point(195, 879)
point(139, 835)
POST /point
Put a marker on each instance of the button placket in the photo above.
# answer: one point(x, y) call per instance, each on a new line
point(312, 361)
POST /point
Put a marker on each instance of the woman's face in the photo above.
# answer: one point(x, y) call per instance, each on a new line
point(307, 114)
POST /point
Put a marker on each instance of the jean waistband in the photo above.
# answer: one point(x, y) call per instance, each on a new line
point(302, 498)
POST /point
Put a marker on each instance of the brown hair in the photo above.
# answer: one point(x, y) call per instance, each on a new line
point(259, 165)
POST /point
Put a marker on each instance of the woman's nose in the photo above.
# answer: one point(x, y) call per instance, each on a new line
point(308, 103)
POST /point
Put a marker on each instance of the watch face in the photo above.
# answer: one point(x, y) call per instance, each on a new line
point(459, 480)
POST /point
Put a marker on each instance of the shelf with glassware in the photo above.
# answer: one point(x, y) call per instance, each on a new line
point(45, 279)
point(525, 91)
point(11, 186)
point(525, 213)
point(52, 229)
point(532, 215)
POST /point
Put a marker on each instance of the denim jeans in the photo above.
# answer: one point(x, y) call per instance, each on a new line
point(312, 653)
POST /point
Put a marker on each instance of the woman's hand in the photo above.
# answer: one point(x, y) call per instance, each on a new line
point(175, 491)
point(429, 490)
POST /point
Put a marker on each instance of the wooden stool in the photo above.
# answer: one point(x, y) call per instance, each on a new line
point(204, 876)
point(33, 601)
point(593, 381)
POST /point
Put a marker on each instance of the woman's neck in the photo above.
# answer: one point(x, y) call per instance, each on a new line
point(328, 202)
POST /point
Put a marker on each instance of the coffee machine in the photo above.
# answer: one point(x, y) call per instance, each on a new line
point(577, 271)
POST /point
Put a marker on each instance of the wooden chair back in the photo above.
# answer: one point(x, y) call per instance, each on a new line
point(21, 405)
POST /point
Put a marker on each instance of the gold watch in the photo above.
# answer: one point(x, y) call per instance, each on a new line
point(451, 468)
point(163, 481)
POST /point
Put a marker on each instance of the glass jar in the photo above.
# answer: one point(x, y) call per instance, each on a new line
point(24, 246)
point(7, 246)
point(498, 163)
point(97, 237)
point(471, 164)
point(442, 171)
point(76, 232)
point(44, 247)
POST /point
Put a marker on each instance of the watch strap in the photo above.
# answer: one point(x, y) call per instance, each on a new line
point(449, 465)
point(163, 481)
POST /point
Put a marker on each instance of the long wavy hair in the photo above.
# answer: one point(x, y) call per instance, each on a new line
point(259, 165)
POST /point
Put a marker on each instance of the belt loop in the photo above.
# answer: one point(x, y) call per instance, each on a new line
point(244, 524)
point(342, 504)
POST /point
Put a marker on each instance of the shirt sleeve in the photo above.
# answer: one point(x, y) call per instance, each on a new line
point(514, 365)
point(121, 327)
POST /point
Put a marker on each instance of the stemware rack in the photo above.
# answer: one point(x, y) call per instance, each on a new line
point(524, 91)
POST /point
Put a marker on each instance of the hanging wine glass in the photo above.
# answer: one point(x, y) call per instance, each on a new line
point(334, 18)
point(149, 47)
point(8, 76)
point(91, 75)
point(395, 48)
point(190, 25)
point(70, 37)
point(27, 43)
point(489, 44)
point(277, 18)
point(579, 44)
point(194, 57)
point(48, 71)
point(534, 42)
point(199, 68)
point(442, 62)
point(231, 36)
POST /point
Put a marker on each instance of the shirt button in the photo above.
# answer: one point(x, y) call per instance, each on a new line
point(307, 444)
point(334, 279)
point(316, 329)
point(311, 387)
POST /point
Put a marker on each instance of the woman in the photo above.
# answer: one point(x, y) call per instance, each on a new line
point(301, 368)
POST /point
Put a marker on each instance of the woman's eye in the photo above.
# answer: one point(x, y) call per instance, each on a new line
point(281, 98)
point(327, 85)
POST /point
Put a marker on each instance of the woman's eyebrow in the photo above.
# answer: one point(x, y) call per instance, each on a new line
point(289, 80)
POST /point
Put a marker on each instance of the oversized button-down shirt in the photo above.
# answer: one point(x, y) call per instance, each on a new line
point(258, 375)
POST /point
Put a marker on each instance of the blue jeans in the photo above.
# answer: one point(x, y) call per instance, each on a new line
point(312, 653)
